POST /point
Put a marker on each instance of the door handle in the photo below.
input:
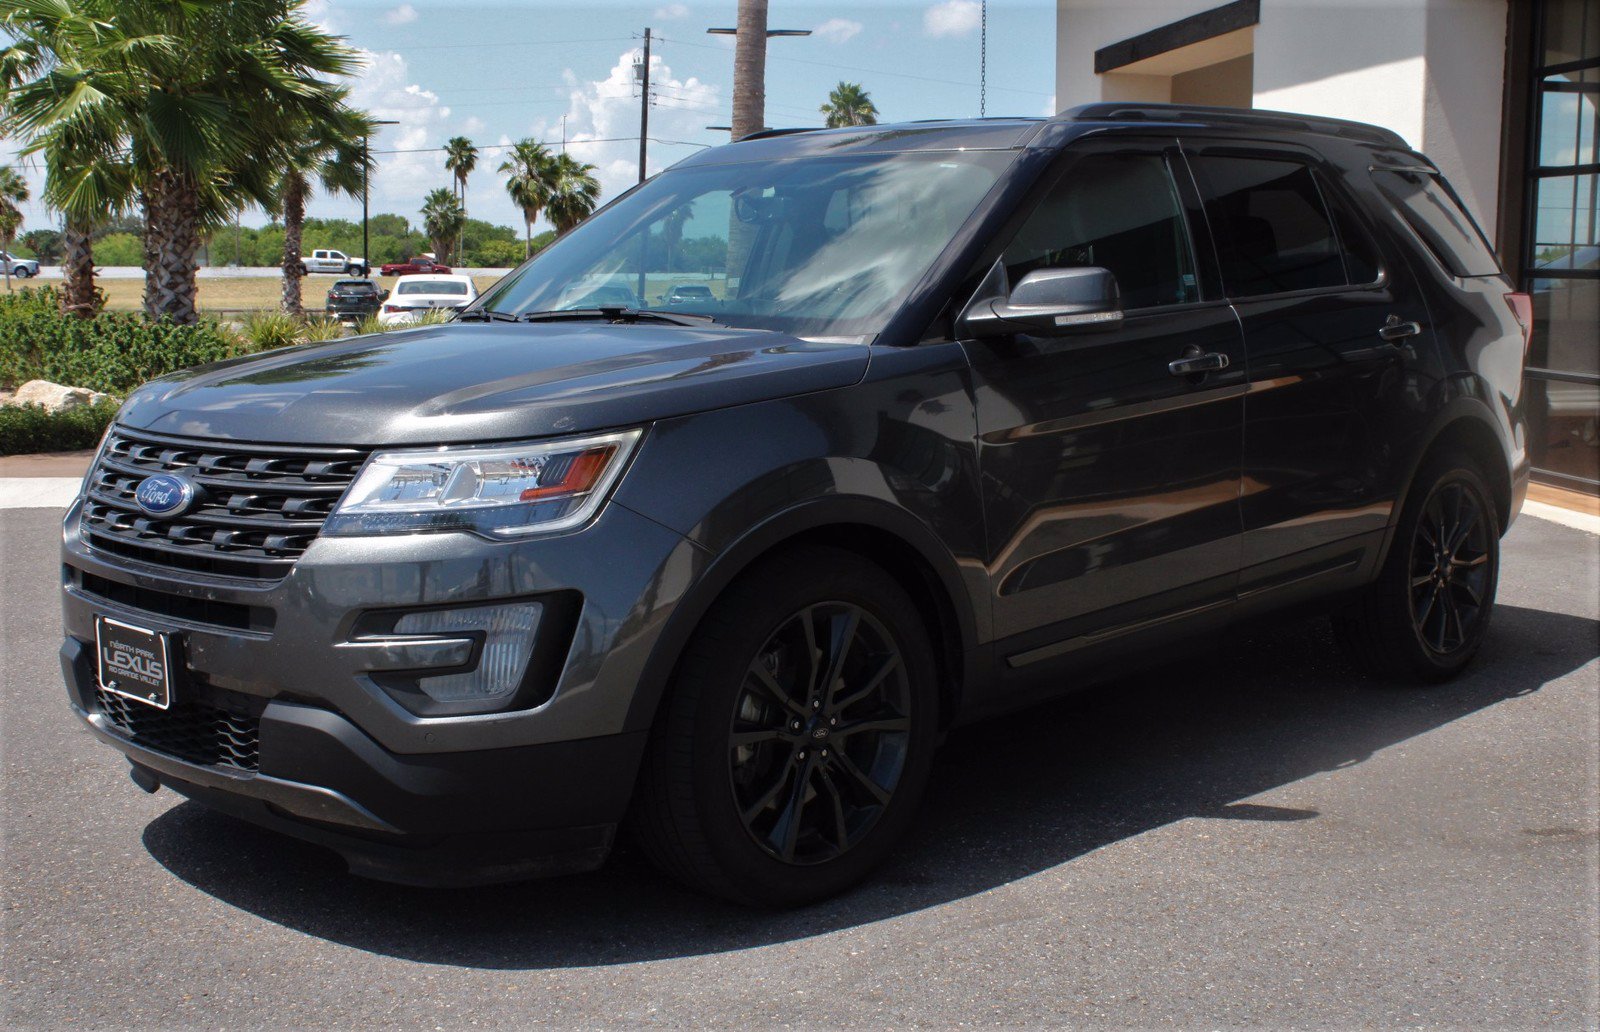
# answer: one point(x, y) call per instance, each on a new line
point(1198, 364)
point(1394, 329)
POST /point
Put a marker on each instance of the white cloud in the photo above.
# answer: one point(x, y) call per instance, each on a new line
point(672, 12)
point(838, 30)
point(405, 14)
point(951, 18)
point(603, 120)
point(385, 91)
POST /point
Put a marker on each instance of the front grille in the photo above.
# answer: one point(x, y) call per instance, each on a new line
point(193, 730)
point(258, 509)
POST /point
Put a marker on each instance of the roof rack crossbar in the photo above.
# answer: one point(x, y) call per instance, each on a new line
point(1110, 111)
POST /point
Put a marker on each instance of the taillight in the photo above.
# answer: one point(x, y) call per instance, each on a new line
point(391, 308)
point(1522, 307)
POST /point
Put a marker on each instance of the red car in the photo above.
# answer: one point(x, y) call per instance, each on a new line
point(412, 266)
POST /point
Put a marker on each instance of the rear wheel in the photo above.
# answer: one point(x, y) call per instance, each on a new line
point(1425, 616)
point(798, 735)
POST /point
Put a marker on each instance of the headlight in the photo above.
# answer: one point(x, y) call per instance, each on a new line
point(499, 491)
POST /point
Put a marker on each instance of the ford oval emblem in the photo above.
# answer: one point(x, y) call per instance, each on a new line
point(165, 494)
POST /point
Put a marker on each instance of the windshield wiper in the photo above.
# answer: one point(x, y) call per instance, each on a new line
point(619, 315)
point(485, 315)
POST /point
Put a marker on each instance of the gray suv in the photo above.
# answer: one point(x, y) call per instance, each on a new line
point(966, 414)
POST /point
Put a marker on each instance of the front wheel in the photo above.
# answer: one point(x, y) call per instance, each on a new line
point(1425, 616)
point(22, 273)
point(798, 735)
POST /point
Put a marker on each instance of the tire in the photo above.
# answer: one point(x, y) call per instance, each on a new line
point(715, 813)
point(22, 273)
point(1424, 617)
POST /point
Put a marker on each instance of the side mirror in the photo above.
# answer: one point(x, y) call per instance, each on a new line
point(1049, 303)
point(383, 295)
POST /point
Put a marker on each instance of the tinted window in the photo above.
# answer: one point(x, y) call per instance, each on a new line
point(1273, 231)
point(431, 287)
point(1360, 253)
point(1119, 212)
point(1439, 220)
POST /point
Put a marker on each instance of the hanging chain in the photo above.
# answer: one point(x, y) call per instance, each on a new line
point(983, 60)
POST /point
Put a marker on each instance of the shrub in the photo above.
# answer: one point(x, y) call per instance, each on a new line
point(267, 330)
point(29, 428)
point(369, 324)
point(112, 352)
point(316, 330)
point(496, 254)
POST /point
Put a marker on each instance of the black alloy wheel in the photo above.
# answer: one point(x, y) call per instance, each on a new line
point(1450, 568)
point(797, 734)
point(1426, 614)
point(820, 733)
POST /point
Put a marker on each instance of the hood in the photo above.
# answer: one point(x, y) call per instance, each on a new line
point(461, 382)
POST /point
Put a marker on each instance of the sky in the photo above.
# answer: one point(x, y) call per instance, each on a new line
point(497, 72)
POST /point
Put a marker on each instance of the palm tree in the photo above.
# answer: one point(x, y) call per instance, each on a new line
point(461, 158)
point(198, 99)
point(848, 104)
point(529, 166)
point(750, 69)
point(574, 191)
point(442, 216)
point(13, 192)
point(327, 152)
point(672, 230)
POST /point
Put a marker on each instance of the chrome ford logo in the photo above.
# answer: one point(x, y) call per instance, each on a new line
point(165, 494)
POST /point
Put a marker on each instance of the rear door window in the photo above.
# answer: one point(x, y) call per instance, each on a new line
point(1272, 227)
point(1439, 220)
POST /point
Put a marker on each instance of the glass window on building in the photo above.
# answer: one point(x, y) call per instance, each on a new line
point(1561, 263)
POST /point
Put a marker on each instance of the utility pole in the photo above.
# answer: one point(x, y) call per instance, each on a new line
point(366, 174)
point(644, 103)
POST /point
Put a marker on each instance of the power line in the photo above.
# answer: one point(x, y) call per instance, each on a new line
point(522, 43)
point(859, 68)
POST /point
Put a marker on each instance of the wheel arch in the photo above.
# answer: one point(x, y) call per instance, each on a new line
point(1466, 425)
point(876, 531)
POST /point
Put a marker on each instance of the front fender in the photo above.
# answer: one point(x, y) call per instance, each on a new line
point(892, 455)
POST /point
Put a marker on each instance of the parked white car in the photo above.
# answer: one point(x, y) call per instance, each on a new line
point(22, 268)
point(337, 262)
point(413, 296)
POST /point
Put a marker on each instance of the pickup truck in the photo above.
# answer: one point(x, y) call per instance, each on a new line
point(421, 264)
point(337, 262)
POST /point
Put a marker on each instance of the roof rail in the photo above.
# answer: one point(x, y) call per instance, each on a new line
point(767, 134)
point(1124, 112)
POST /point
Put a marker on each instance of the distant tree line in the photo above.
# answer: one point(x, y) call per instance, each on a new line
point(392, 238)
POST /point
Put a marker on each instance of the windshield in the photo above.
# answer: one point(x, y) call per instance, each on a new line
point(819, 247)
point(431, 287)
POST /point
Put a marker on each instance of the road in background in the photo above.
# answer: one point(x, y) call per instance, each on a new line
point(1252, 837)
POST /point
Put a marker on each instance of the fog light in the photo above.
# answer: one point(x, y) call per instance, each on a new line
point(508, 632)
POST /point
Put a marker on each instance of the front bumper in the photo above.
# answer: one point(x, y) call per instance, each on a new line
point(339, 761)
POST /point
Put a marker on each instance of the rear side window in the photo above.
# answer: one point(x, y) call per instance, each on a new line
point(1273, 230)
point(1119, 212)
point(1440, 221)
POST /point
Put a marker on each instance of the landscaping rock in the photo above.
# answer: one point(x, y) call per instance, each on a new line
point(53, 397)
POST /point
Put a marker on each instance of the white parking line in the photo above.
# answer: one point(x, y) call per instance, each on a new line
point(38, 492)
point(1565, 517)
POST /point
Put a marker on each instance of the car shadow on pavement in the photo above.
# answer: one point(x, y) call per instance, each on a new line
point(1010, 797)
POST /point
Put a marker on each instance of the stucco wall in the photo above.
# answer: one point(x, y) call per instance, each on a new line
point(1432, 70)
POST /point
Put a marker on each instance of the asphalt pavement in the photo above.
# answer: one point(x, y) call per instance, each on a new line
point(1251, 836)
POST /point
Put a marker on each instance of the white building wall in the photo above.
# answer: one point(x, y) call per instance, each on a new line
point(1431, 70)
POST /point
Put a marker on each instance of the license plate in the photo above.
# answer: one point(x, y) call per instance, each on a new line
point(135, 662)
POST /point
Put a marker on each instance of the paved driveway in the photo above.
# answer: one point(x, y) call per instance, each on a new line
point(1249, 837)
